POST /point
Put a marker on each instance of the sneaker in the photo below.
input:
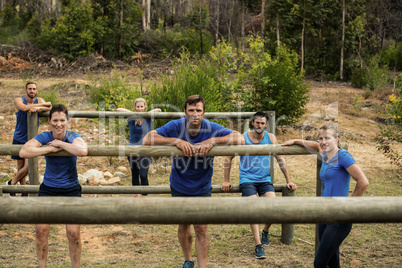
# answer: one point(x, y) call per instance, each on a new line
point(188, 264)
point(259, 252)
point(264, 238)
point(9, 183)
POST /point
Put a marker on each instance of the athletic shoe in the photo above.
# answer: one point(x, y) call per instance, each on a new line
point(188, 264)
point(259, 252)
point(264, 238)
point(9, 183)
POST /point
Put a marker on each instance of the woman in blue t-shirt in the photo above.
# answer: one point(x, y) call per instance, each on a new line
point(139, 127)
point(337, 168)
point(60, 178)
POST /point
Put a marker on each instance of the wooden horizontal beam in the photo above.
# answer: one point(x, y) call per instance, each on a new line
point(162, 115)
point(166, 150)
point(157, 189)
point(199, 210)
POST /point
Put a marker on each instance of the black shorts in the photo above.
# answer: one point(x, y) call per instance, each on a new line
point(53, 191)
point(16, 157)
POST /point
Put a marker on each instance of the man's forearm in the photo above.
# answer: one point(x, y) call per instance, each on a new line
point(153, 138)
point(234, 138)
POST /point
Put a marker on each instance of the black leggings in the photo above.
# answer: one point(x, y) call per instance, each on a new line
point(139, 169)
point(331, 237)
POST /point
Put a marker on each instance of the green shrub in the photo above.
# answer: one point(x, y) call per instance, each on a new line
point(173, 42)
point(188, 78)
point(391, 133)
point(377, 77)
point(276, 84)
point(359, 78)
point(108, 94)
point(392, 57)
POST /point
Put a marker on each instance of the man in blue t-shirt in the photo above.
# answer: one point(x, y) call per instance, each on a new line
point(191, 176)
point(29, 103)
point(255, 175)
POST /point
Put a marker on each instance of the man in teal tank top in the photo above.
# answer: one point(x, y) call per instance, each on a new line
point(255, 174)
point(29, 103)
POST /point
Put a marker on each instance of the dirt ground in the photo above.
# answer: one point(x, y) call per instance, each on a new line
point(368, 245)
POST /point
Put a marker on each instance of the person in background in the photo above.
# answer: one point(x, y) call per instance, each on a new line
point(255, 175)
point(337, 168)
point(191, 176)
point(32, 104)
point(60, 178)
point(139, 127)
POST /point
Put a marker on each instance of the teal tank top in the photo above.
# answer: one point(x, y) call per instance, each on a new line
point(255, 168)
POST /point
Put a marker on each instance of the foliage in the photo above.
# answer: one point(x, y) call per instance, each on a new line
point(359, 77)
point(187, 78)
point(373, 76)
point(109, 94)
point(392, 57)
point(173, 41)
point(110, 33)
point(391, 133)
point(72, 34)
point(276, 84)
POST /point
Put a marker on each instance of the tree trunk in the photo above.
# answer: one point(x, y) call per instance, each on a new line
point(144, 15)
point(343, 38)
point(278, 36)
point(243, 31)
point(148, 14)
point(120, 25)
point(201, 44)
point(218, 4)
point(263, 20)
point(302, 44)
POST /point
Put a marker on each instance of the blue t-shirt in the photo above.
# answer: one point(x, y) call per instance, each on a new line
point(255, 168)
point(335, 179)
point(61, 171)
point(192, 175)
point(137, 132)
point(21, 127)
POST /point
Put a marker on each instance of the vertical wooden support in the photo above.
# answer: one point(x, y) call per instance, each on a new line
point(33, 162)
point(318, 193)
point(287, 229)
point(272, 129)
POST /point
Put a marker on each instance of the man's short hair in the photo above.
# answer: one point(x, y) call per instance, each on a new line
point(30, 83)
point(58, 108)
point(259, 115)
point(194, 99)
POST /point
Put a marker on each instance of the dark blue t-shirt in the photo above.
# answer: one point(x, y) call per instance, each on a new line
point(61, 171)
point(192, 175)
point(21, 127)
point(137, 132)
point(334, 176)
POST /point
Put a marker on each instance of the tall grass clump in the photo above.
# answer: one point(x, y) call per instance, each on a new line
point(188, 77)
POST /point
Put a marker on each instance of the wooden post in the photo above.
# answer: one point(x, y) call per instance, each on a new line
point(272, 129)
point(287, 229)
point(200, 210)
point(157, 189)
point(33, 162)
point(170, 150)
point(318, 193)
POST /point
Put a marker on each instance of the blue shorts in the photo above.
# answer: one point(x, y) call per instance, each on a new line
point(177, 194)
point(16, 157)
point(53, 191)
point(252, 188)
